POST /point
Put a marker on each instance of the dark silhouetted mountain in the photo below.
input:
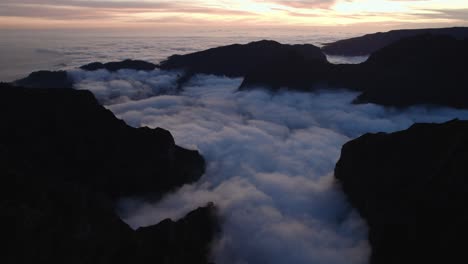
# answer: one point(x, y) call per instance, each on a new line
point(367, 44)
point(425, 69)
point(292, 71)
point(68, 133)
point(239, 60)
point(115, 66)
point(65, 160)
point(412, 189)
point(46, 79)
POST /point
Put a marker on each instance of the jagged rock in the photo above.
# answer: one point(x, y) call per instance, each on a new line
point(367, 44)
point(46, 79)
point(412, 189)
point(65, 160)
point(115, 66)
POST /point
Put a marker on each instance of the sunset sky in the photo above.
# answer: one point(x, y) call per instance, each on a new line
point(211, 13)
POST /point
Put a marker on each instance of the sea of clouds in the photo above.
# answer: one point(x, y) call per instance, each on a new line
point(270, 160)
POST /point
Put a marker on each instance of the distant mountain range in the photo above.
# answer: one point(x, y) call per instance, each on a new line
point(425, 68)
point(368, 44)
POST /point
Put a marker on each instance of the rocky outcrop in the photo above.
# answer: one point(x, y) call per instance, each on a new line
point(65, 160)
point(137, 65)
point(368, 44)
point(70, 134)
point(425, 69)
point(46, 79)
point(239, 60)
point(263, 63)
point(412, 188)
point(421, 70)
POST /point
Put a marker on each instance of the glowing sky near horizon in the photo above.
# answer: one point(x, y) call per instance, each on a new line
point(211, 13)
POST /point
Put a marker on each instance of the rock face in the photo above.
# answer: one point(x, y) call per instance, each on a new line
point(412, 188)
point(239, 60)
point(137, 65)
point(367, 44)
point(425, 69)
point(46, 79)
point(65, 160)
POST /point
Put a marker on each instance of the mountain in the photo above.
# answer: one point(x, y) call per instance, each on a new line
point(238, 60)
point(424, 69)
point(367, 44)
point(412, 189)
point(137, 65)
point(419, 70)
point(65, 160)
point(43, 79)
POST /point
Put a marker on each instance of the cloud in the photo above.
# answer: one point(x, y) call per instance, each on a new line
point(73, 9)
point(125, 85)
point(270, 160)
point(455, 14)
point(96, 4)
point(52, 13)
point(304, 4)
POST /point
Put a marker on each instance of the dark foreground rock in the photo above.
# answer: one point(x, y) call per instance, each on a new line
point(65, 160)
point(67, 133)
point(46, 79)
point(367, 44)
point(185, 241)
point(137, 65)
point(412, 188)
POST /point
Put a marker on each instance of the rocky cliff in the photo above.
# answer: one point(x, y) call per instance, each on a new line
point(65, 160)
point(412, 188)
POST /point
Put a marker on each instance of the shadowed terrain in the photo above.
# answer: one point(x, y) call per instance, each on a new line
point(65, 160)
point(412, 189)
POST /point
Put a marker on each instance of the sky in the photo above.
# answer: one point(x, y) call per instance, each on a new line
point(32, 14)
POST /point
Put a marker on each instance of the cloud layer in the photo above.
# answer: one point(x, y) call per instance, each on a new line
point(203, 13)
point(270, 161)
point(115, 87)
